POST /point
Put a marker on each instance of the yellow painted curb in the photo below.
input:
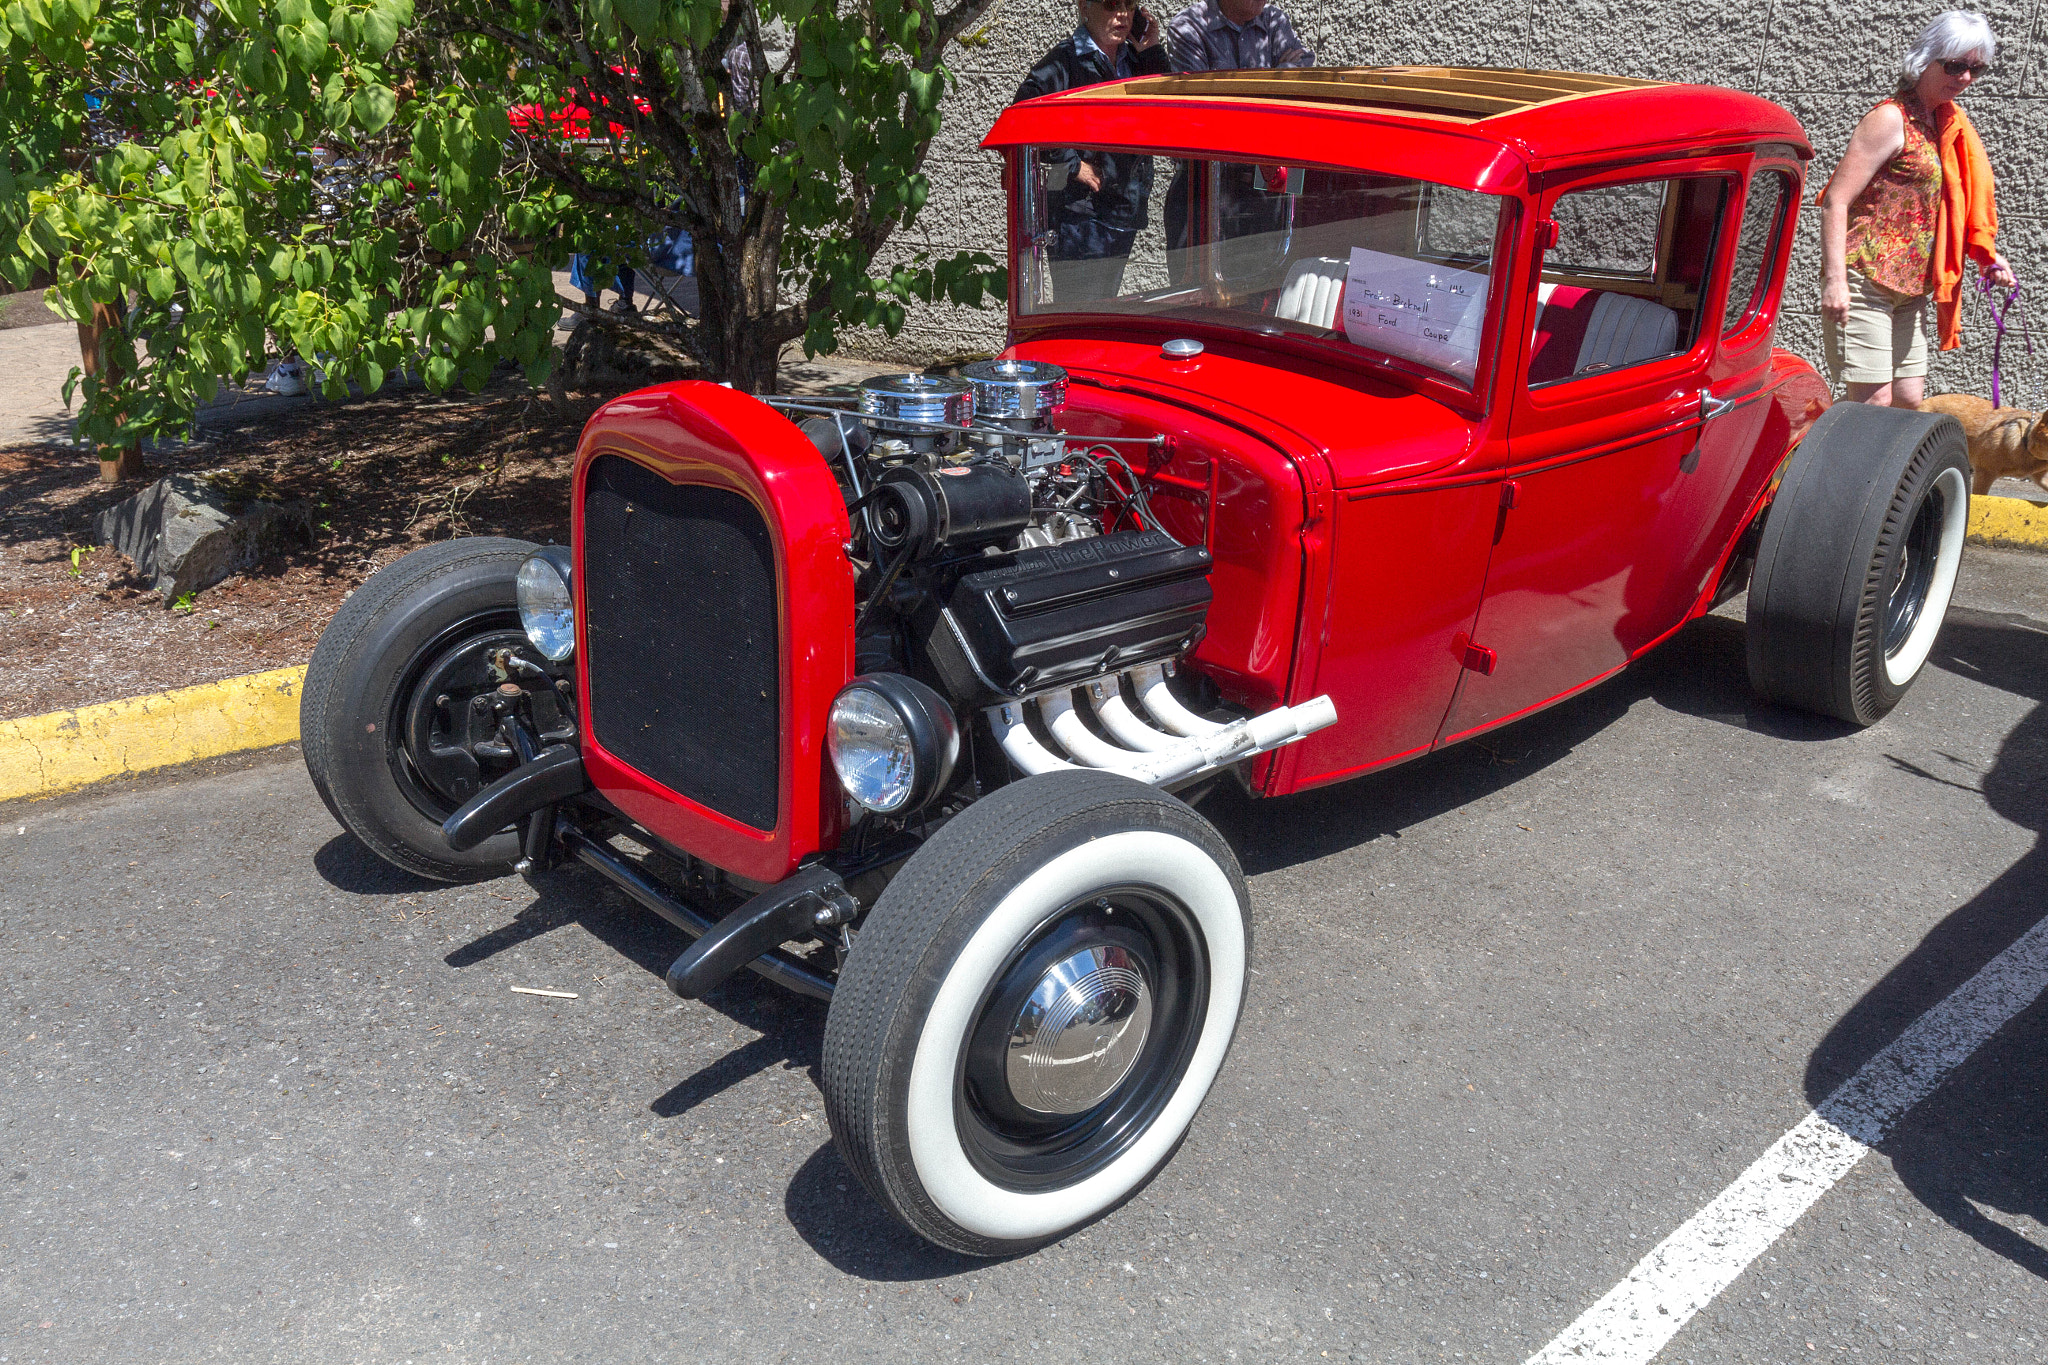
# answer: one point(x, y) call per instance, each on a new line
point(43, 755)
point(2009, 523)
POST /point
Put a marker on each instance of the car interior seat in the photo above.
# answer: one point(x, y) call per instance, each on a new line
point(1578, 329)
point(1313, 291)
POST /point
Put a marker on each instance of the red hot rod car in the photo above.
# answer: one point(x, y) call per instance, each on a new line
point(1345, 415)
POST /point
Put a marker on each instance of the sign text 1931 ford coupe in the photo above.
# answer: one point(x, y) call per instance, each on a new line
point(1346, 415)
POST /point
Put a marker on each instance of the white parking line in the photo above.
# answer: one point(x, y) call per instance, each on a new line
point(1685, 1271)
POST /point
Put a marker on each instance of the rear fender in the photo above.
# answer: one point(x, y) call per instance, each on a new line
point(1800, 396)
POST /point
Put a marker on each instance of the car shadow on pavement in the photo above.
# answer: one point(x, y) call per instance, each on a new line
point(1975, 1152)
point(346, 864)
point(791, 1027)
point(1700, 672)
point(792, 1037)
point(824, 1202)
point(830, 1211)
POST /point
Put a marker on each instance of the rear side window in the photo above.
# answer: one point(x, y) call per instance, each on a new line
point(1756, 246)
point(1624, 283)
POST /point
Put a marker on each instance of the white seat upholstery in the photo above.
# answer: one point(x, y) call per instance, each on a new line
point(1626, 329)
point(1313, 291)
point(1622, 330)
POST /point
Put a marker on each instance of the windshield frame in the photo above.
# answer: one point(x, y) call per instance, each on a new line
point(1223, 325)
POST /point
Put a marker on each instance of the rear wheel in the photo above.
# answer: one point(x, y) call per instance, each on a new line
point(1034, 1010)
point(397, 700)
point(1858, 560)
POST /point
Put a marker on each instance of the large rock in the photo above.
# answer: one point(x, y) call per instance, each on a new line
point(186, 533)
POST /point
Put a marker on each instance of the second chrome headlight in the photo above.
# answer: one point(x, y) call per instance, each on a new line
point(893, 741)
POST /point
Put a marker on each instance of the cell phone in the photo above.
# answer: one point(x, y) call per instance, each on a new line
point(1142, 25)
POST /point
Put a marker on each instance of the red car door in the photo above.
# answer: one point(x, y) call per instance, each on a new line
point(1612, 499)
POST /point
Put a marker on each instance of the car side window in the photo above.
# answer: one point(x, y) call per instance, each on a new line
point(1625, 282)
point(1756, 246)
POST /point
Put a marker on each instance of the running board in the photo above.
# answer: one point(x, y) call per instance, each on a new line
point(1166, 743)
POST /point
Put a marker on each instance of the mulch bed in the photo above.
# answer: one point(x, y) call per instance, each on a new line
point(383, 475)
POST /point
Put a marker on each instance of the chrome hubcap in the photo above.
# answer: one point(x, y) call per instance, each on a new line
point(1080, 1032)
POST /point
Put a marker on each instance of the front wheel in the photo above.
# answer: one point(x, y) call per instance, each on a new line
point(1035, 1009)
point(395, 720)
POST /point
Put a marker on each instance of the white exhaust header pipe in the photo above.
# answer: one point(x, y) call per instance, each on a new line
point(1166, 744)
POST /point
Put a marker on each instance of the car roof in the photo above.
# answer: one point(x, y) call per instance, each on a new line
point(1540, 116)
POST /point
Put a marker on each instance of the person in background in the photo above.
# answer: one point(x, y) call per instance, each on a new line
point(1234, 35)
point(586, 272)
point(1099, 208)
point(1228, 35)
point(1909, 203)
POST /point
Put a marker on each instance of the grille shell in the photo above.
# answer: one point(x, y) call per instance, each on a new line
point(681, 634)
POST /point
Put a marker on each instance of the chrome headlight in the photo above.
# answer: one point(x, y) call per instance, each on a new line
point(547, 609)
point(893, 741)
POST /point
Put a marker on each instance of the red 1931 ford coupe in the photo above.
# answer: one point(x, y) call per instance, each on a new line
point(1346, 415)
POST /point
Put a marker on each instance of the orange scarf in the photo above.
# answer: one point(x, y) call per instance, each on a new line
point(1966, 224)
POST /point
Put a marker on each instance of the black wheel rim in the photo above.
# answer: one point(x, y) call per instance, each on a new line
point(1914, 577)
point(1015, 1147)
point(441, 747)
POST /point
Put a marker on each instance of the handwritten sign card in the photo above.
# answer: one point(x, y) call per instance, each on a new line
point(1414, 309)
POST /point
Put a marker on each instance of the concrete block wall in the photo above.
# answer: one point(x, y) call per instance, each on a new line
point(1826, 62)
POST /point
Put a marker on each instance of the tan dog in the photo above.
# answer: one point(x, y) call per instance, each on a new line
point(2004, 442)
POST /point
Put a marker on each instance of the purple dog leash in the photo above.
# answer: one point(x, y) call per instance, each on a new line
point(1998, 308)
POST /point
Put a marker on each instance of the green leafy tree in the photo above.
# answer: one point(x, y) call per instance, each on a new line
point(212, 184)
point(788, 137)
point(249, 182)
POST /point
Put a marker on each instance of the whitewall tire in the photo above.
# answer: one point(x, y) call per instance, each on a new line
point(1035, 1009)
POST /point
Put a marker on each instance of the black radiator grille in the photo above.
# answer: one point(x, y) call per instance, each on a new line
point(679, 588)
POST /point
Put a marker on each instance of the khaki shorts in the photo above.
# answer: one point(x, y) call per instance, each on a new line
point(1884, 339)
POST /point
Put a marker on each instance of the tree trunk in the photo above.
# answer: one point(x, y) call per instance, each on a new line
point(118, 464)
point(739, 297)
point(743, 348)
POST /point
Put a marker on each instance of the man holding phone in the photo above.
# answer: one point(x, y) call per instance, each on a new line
point(1102, 204)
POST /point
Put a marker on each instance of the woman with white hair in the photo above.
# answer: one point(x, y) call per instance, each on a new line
point(1909, 203)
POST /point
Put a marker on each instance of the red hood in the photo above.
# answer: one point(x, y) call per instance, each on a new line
point(1367, 429)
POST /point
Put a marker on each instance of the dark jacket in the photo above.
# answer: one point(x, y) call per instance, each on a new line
point(1126, 179)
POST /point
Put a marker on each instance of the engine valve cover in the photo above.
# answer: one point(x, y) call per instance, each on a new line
point(1061, 614)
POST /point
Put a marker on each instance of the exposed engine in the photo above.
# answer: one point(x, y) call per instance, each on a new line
point(997, 555)
point(1021, 571)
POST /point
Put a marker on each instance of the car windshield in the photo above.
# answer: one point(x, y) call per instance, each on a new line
point(1393, 265)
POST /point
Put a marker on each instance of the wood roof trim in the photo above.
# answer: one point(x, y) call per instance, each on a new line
point(1327, 91)
point(1475, 93)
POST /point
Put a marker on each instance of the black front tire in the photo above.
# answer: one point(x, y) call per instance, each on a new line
point(1858, 560)
point(412, 625)
point(1105, 911)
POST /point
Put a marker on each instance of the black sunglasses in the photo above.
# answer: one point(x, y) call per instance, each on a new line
point(1957, 66)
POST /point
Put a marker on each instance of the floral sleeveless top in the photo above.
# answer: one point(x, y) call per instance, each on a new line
point(1891, 224)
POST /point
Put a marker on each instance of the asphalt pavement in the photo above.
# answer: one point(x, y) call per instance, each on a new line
point(1520, 1010)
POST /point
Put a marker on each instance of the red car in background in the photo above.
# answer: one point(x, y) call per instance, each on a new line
point(1347, 414)
point(569, 121)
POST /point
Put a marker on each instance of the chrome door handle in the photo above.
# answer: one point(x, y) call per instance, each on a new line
point(1712, 407)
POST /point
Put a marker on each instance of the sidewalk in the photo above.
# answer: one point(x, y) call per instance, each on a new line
point(33, 363)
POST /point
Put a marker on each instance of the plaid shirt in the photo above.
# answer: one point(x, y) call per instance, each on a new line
point(1199, 38)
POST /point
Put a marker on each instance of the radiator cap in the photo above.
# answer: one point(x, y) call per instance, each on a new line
point(1181, 348)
